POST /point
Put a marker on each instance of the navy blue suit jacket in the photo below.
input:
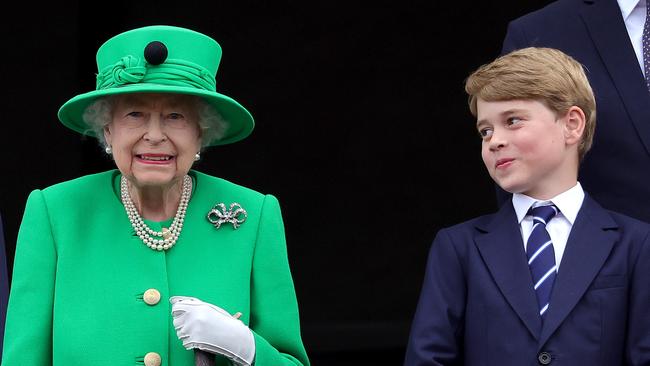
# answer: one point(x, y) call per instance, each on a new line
point(477, 304)
point(4, 286)
point(616, 171)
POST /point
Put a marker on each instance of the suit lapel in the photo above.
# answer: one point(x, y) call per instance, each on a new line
point(607, 30)
point(500, 244)
point(588, 247)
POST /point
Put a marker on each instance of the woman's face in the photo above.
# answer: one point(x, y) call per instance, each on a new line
point(154, 137)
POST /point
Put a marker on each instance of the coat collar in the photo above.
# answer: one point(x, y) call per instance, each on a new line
point(498, 239)
point(502, 249)
point(592, 238)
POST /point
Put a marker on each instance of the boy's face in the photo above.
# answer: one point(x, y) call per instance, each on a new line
point(525, 147)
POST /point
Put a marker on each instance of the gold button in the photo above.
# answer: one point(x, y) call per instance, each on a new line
point(151, 296)
point(152, 359)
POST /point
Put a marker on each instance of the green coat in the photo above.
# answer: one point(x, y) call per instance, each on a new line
point(80, 273)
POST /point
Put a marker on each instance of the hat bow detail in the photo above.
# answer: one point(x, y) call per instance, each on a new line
point(132, 70)
point(126, 71)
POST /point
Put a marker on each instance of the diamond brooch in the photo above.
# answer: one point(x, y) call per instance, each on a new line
point(235, 215)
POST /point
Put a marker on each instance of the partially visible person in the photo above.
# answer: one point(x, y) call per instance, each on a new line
point(552, 278)
point(145, 263)
point(4, 285)
point(605, 36)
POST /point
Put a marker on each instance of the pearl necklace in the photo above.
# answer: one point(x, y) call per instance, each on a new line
point(149, 237)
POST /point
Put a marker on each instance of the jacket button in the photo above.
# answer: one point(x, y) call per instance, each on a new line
point(151, 296)
point(152, 359)
point(544, 358)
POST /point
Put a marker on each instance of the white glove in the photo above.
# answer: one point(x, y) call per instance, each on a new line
point(210, 328)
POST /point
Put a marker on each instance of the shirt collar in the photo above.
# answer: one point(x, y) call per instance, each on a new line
point(569, 203)
point(627, 6)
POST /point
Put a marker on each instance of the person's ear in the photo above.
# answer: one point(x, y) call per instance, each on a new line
point(107, 135)
point(574, 126)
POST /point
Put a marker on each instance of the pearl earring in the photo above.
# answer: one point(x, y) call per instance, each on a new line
point(108, 150)
point(197, 156)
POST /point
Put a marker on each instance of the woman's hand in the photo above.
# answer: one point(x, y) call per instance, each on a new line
point(210, 328)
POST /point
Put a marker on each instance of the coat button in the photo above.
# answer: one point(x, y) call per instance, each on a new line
point(152, 359)
point(151, 296)
point(544, 358)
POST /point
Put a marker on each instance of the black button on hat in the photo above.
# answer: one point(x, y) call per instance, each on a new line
point(155, 53)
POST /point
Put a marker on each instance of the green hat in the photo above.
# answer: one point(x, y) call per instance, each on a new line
point(160, 59)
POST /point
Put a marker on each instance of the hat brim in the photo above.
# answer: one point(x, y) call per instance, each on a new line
point(239, 121)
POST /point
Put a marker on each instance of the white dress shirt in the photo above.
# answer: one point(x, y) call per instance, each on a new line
point(634, 14)
point(559, 227)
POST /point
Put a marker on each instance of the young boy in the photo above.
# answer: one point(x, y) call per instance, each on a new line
point(551, 278)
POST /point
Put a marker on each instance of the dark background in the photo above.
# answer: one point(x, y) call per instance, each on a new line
point(362, 132)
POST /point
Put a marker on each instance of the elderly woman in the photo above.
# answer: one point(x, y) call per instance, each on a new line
point(98, 257)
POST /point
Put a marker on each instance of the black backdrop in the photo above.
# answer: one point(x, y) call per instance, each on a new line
point(362, 132)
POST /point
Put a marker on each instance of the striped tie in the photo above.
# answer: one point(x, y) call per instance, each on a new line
point(541, 256)
point(645, 41)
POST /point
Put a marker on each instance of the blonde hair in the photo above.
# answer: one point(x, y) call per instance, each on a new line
point(536, 73)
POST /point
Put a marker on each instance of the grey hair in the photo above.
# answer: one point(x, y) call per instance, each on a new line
point(98, 115)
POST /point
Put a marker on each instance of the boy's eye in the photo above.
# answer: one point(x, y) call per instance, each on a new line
point(513, 120)
point(485, 132)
